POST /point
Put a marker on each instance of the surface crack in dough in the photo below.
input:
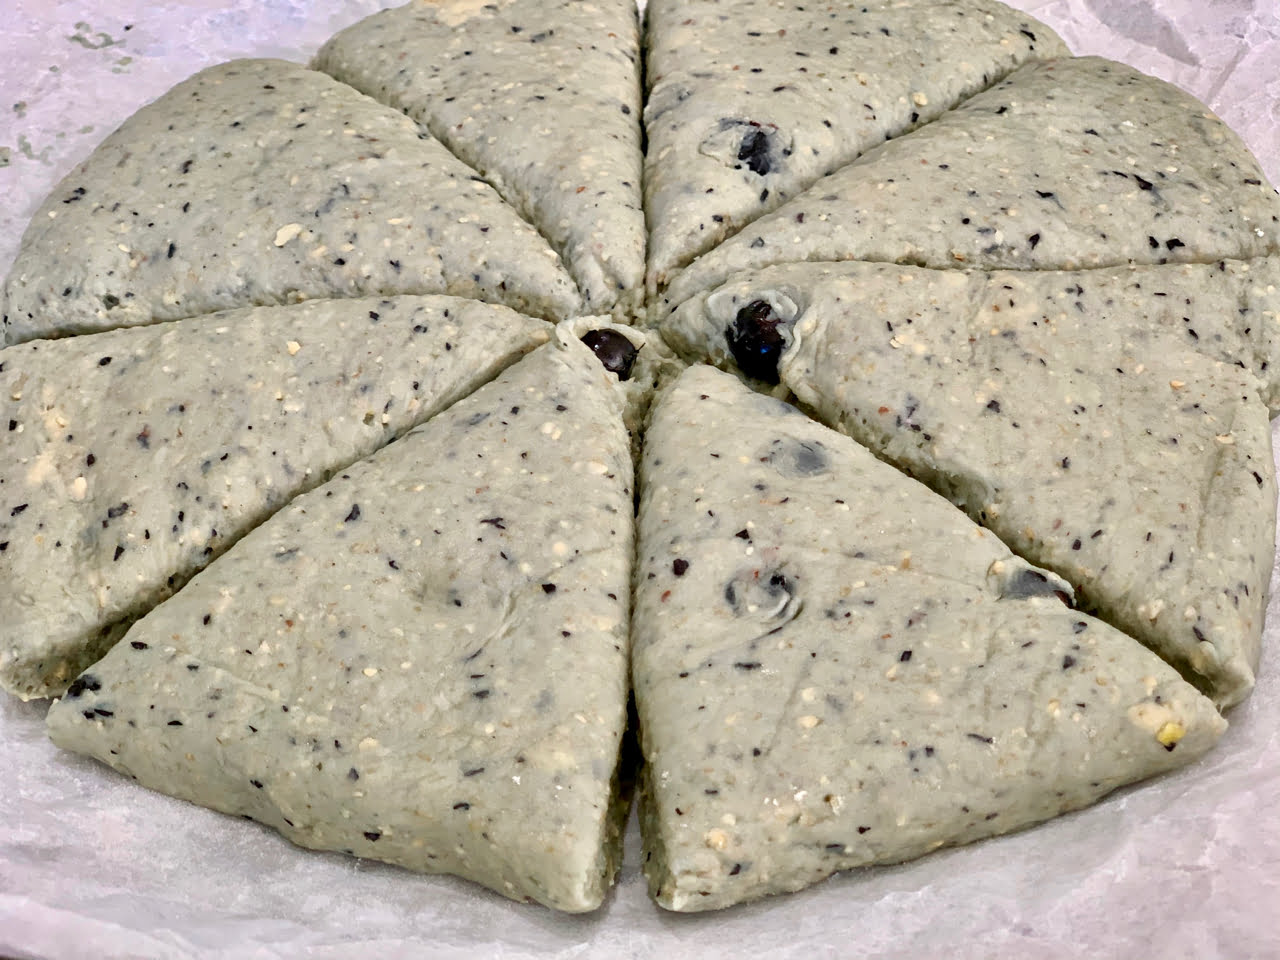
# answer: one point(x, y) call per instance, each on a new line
point(771, 741)
point(506, 622)
point(1212, 475)
point(768, 751)
point(1130, 473)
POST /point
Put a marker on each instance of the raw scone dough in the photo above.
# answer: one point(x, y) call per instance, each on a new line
point(308, 570)
point(751, 101)
point(834, 667)
point(260, 182)
point(424, 661)
point(542, 97)
point(134, 457)
point(1069, 164)
point(1070, 412)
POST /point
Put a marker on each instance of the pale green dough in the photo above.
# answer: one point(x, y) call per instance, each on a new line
point(309, 515)
point(1065, 165)
point(134, 457)
point(751, 101)
point(834, 667)
point(423, 661)
point(1071, 413)
point(543, 99)
point(261, 182)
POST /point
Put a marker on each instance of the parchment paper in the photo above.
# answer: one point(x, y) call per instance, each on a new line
point(93, 866)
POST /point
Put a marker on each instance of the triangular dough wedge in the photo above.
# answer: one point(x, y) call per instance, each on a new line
point(751, 101)
point(1069, 412)
point(134, 457)
point(1070, 164)
point(542, 98)
point(424, 661)
point(834, 667)
point(260, 182)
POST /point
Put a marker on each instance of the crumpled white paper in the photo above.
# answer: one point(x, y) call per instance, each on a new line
point(93, 866)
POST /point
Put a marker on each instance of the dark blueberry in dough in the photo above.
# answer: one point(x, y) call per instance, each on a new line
point(762, 595)
point(809, 459)
point(615, 351)
point(799, 458)
point(86, 681)
point(754, 151)
point(755, 341)
point(1032, 583)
